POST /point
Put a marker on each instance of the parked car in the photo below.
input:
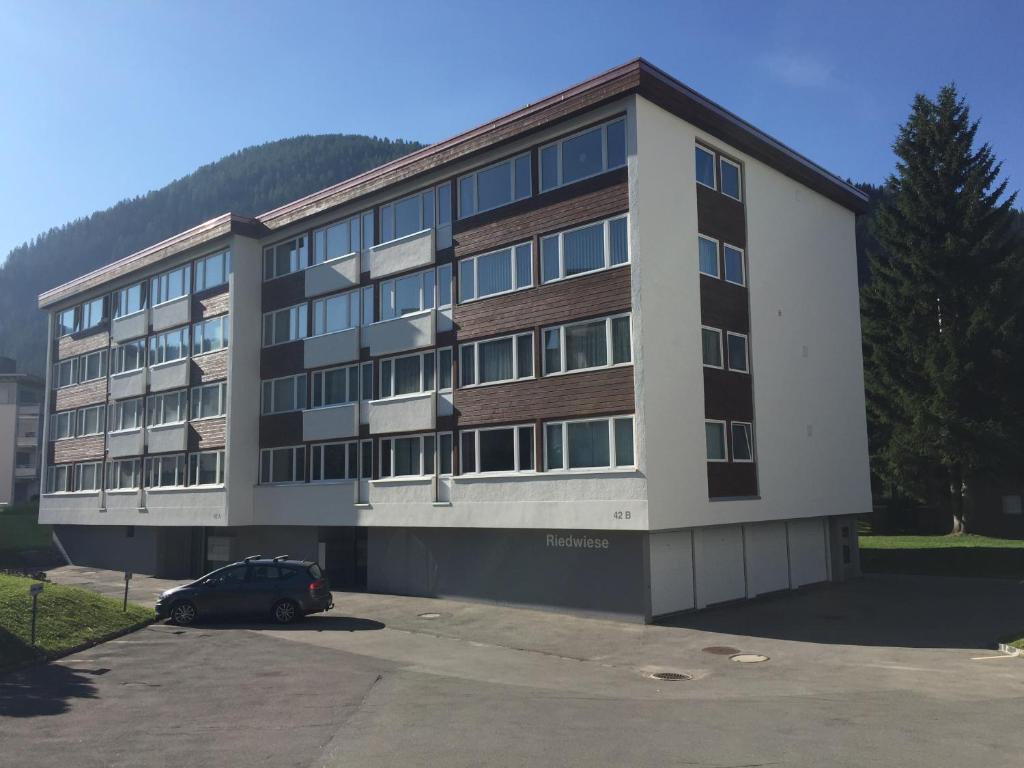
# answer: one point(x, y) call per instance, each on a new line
point(279, 587)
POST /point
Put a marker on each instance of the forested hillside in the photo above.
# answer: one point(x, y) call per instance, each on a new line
point(247, 182)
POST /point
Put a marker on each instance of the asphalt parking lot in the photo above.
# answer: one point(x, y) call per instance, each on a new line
point(883, 671)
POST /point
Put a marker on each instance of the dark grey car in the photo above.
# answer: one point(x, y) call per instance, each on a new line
point(279, 588)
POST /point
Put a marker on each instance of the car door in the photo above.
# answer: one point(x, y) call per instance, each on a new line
point(261, 589)
point(222, 594)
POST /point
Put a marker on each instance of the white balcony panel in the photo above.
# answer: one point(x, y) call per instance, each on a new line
point(126, 443)
point(405, 253)
point(408, 413)
point(334, 275)
point(404, 491)
point(171, 313)
point(70, 508)
point(128, 384)
point(306, 504)
point(445, 404)
point(130, 326)
point(167, 438)
point(401, 333)
point(444, 320)
point(333, 422)
point(22, 472)
point(331, 348)
point(173, 375)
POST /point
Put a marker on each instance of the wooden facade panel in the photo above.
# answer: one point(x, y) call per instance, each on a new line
point(213, 366)
point(90, 448)
point(728, 395)
point(71, 346)
point(281, 429)
point(207, 434)
point(721, 217)
point(210, 303)
point(729, 480)
point(282, 360)
point(285, 291)
point(724, 305)
point(90, 393)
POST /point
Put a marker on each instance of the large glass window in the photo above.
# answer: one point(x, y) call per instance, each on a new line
point(129, 356)
point(407, 456)
point(742, 441)
point(170, 285)
point(590, 344)
point(124, 474)
point(89, 476)
point(406, 295)
point(334, 461)
point(336, 313)
point(206, 468)
point(583, 155)
point(510, 269)
point(58, 478)
point(92, 366)
point(342, 238)
point(125, 415)
point(129, 300)
point(62, 425)
point(168, 346)
point(165, 471)
point(734, 269)
point(407, 375)
point(707, 249)
point(209, 400)
point(705, 162)
point(498, 449)
point(714, 435)
point(210, 335)
point(65, 373)
point(91, 420)
point(167, 408)
point(335, 386)
point(283, 465)
point(495, 186)
point(283, 325)
point(711, 347)
point(93, 313)
point(285, 258)
point(213, 270)
point(589, 443)
point(737, 344)
point(730, 179)
point(285, 394)
point(64, 322)
point(584, 249)
point(407, 216)
point(494, 360)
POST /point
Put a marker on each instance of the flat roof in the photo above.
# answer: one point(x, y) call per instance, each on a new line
point(634, 77)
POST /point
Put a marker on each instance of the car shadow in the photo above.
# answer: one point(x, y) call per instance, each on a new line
point(316, 622)
point(43, 690)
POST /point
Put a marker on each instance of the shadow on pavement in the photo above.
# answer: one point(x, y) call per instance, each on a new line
point(45, 689)
point(876, 610)
point(316, 623)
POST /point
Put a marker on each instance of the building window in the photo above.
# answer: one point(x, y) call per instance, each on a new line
point(490, 274)
point(284, 325)
point(283, 465)
point(65, 373)
point(711, 346)
point(504, 359)
point(334, 461)
point(167, 408)
point(444, 369)
point(407, 216)
point(583, 155)
point(742, 442)
point(169, 346)
point(714, 434)
point(210, 335)
point(64, 322)
point(170, 285)
point(495, 186)
point(734, 271)
point(737, 344)
point(206, 468)
point(497, 449)
point(92, 366)
point(285, 394)
point(705, 160)
point(58, 478)
point(407, 295)
point(444, 285)
point(209, 400)
point(730, 179)
point(445, 453)
point(342, 238)
point(125, 415)
point(366, 381)
point(599, 343)
point(123, 475)
point(89, 476)
point(165, 471)
point(62, 425)
point(212, 271)
point(284, 258)
point(24, 460)
point(93, 314)
point(407, 375)
point(593, 247)
point(589, 444)
point(407, 456)
point(129, 300)
point(130, 356)
point(366, 459)
point(707, 249)
point(336, 313)
point(91, 420)
point(335, 386)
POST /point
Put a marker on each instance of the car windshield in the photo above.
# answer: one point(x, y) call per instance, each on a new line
point(314, 571)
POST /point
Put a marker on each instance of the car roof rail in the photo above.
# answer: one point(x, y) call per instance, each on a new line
point(279, 558)
point(253, 557)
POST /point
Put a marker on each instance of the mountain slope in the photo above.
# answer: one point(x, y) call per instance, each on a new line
point(247, 182)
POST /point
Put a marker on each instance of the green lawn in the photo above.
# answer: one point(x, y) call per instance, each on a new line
point(968, 555)
point(20, 531)
point(68, 617)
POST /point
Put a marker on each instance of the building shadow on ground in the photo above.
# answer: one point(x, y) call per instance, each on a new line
point(314, 623)
point(876, 610)
point(44, 689)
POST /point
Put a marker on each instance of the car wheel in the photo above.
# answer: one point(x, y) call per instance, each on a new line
point(183, 613)
point(285, 612)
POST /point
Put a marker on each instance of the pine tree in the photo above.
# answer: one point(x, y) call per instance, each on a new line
point(943, 313)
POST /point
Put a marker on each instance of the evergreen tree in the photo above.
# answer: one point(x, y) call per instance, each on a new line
point(943, 312)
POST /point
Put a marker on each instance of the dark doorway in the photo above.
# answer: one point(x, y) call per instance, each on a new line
point(345, 557)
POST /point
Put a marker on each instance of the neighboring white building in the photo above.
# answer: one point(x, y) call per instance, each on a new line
point(601, 354)
point(21, 397)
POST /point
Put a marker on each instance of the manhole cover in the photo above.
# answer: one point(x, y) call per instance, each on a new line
point(748, 658)
point(721, 650)
point(430, 615)
point(672, 677)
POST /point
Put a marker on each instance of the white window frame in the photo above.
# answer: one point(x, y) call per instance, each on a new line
point(72, 362)
point(320, 374)
point(192, 469)
point(612, 450)
point(198, 335)
point(181, 466)
point(391, 451)
point(394, 359)
point(438, 367)
point(512, 251)
point(746, 348)
point(162, 397)
point(722, 160)
point(515, 360)
point(714, 166)
point(608, 340)
point(196, 398)
point(201, 265)
point(294, 380)
point(116, 300)
point(295, 449)
point(451, 453)
point(115, 415)
point(298, 321)
point(518, 470)
point(389, 287)
point(444, 277)
point(113, 473)
point(51, 473)
point(301, 257)
point(59, 324)
point(725, 440)
point(319, 309)
point(83, 365)
point(154, 360)
point(163, 281)
point(85, 319)
point(389, 209)
point(721, 348)
point(315, 448)
point(319, 240)
point(101, 420)
point(117, 356)
point(743, 265)
point(607, 234)
point(513, 198)
point(731, 448)
point(718, 256)
point(98, 477)
point(603, 127)
point(71, 417)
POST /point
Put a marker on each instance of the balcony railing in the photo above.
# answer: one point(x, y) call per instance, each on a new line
point(333, 422)
point(125, 443)
point(405, 253)
point(399, 334)
point(406, 413)
point(127, 384)
point(165, 438)
point(170, 375)
point(171, 313)
point(331, 348)
point(129, 326)
point(334, 275)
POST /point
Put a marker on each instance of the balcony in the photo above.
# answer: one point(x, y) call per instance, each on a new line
point(129, 326)
point(399, 334)
point(337, 274)
point(125, 443)
point(331, 348)
point(23, 472)
point(401, 255)
point(171, 313)
point(171, 375)
point(167, 438)
point(406, 413)
point(127, 384)
point(339, 422)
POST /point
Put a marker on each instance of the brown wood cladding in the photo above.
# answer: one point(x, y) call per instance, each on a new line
point(282, 360)
point(589, 393)
point(90, 393)
point(728, 395)
point(90, 448)
point(280, 429)
point(285, 291)
point(212, 366)
point(71, 346)
point(730, 480)
point(724, 305)
point(210, 303)
point(721, 217)
point(207, 434)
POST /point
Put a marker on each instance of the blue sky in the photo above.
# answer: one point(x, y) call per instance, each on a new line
point(101, 100)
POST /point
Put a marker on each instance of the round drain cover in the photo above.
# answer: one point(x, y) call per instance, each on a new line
point(670, 676)
point(748, 658)
point(721, 650)
point(430, 615)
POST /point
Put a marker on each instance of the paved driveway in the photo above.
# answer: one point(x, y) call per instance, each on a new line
point(885, 671)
